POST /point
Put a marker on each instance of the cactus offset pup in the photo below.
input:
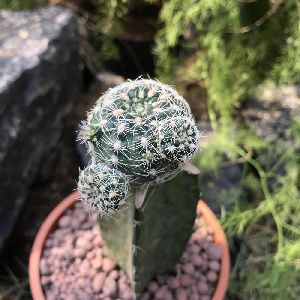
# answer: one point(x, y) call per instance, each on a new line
point(141, 134)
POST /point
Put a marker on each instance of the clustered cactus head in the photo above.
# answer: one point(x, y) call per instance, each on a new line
point(139, 133)
point(104, 188)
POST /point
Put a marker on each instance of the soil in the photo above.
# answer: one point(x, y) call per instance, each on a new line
point(73, 265)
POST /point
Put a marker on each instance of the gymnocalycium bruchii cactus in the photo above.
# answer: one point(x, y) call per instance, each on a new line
point(141, 134)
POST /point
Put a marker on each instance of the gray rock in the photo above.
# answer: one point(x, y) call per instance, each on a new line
point(40, 80)
point(271, 115)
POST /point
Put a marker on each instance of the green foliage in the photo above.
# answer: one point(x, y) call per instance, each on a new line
point(20, 4)
point(107, 24)
point(267, 264)
point(224, 142)
point(232, 47)
point(266, 229)
point(208, 41)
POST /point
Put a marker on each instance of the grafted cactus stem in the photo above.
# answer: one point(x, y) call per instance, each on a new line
point(140, 134)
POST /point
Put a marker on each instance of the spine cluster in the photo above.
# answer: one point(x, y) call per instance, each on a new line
point(138, 133)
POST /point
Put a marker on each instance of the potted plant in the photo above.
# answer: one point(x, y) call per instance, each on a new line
point(140, 135)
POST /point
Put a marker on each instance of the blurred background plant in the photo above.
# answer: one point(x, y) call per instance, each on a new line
point(18, 5)
point(227, 58)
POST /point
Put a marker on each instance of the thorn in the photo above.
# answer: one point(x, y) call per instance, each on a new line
point(136, 223)
point(140, 196)
point(189, 168)
point(136, 248)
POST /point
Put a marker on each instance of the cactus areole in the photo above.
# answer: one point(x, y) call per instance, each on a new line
point(139, 133)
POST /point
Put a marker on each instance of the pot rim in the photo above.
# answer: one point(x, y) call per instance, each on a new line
point(52, 218)
point(220, 239)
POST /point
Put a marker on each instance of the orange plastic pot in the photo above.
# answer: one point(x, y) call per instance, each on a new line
point(51, 220)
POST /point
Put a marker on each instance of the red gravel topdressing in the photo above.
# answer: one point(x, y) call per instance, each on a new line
point(73, 266)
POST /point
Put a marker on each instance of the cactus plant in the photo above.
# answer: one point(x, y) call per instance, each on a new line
point(141, 134)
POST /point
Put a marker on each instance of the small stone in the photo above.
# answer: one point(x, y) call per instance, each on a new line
point(188, 268)
point(197, 260)
point(209, 238)
point(69, 242)
point(146, 296)
point(72, 297)
point(50, 295)
point(77, 261)
point(114, 274)
point(92, 272)
point(65, 221)
point(162, 293)
point(202, 232)
point(181, 294)
point(75, 223)
point(153, 287)
point(58, 251)
point(81, 282)
point(90, 255)
point(48, 244)
point(122, 277)
point(109, 287)
point(44, 268)
point(45, 280)
point(211, 289)
point(204, 265)
point(161, 279)
point(86, 225)
point(81, 216)
point(84, 268)
point(212, 276)
point(198, 275)
point(79, 252)
point(98, 281)
point(202, 287)
point(185, 257)
point(81, 294)
point(97, 240)
point(194, 249)
point(124, 290)
point(214, 251)
point(194, 295)
point(83, 243)
point(210, 231)
point(89, 235)
point(126, 295)
point(173, 282)
point(194, 238)
point(214, 265)
point(186, 280)
point(108, 264)
point(97, 262)
point(205, 244)
point(204, 256)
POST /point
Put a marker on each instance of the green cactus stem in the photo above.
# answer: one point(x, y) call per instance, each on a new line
point(150, 240)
